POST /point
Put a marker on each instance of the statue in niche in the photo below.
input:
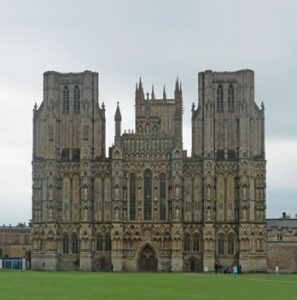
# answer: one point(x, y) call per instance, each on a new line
point(85, 192)
point(177, 191)
point(116, 213)
point(244, 192)
point(50, 193)
point(155, 192)
point(208, 192)
point(85, 214)
point(116, 192)
point(177, 213)
point(208, 213)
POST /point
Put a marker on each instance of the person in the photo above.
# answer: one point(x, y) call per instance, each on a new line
point(234, 271)
point(276, 270)
point(216, 267)
point(225, 267)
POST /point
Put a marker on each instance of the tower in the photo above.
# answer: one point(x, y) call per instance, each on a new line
point(68, 136)
point(228, 137)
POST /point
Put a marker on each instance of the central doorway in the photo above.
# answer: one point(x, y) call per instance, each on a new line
point(147, 261)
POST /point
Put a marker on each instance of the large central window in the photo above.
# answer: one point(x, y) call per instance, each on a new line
point(132, 196)
point(162, 197)
point(147, 195)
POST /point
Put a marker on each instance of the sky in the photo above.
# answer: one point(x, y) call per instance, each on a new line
point(158, 41)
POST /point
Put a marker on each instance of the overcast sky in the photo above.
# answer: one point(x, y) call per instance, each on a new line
point(157, 40)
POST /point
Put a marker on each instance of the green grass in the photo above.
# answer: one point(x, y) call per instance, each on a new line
point(142, 286)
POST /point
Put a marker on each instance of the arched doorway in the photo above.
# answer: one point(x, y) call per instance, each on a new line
point(102, 264)
point(193, 265)
point(147, 261)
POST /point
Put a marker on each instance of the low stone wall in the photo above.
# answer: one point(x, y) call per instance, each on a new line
point(283, 255)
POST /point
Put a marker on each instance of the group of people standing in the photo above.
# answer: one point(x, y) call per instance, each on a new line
point(234, 268)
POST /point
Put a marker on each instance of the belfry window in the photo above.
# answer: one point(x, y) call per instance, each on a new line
point(65, 100)
point(220, 97)
point(76, 103)
point(162, 197)
point(231, 97)
point(147, 195)
point(132, 196)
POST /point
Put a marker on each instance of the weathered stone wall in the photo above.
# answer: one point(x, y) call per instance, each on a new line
point(283, 255)
point(15, 241)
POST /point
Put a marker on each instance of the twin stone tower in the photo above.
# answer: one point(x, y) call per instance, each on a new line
point(147, 206)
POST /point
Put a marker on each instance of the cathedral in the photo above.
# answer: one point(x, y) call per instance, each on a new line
point(147, 205)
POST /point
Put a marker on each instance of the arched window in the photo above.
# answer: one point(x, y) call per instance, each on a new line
point(231, 97)
point(196, 243)
point(230, 245)
point(220, 97)
point(107, 243)
point(221, 243)
point(99, 243)
point(162, 197)
point(65, 244)
point(65, 99)
point(132, 197)
point(147, 195)
point(187, 243)
point(74, 244)
point(76, 103)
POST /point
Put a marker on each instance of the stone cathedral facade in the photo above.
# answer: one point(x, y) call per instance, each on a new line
point(147, 206)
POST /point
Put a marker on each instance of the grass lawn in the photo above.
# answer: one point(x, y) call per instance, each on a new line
point(141, 286)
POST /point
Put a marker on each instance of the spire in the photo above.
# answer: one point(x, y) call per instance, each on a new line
point(140, 84)
point(176, 85)
point(164, 93)
point(178, 90)
point(153, 93)
point(118, 116)
point(141, 93)
point(117, 119)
